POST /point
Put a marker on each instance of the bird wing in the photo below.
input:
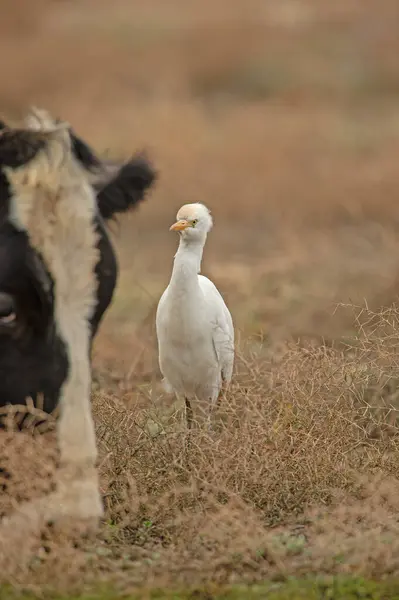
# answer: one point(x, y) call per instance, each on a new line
point(159, 326)
point(223, 329)
point(160, 314)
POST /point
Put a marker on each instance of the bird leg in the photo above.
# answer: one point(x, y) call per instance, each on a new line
point(189, 413)
point(199, 416)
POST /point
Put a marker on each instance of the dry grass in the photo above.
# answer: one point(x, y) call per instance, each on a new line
point(300, 477)
point(283, 118)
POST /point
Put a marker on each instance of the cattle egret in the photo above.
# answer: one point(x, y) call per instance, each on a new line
point(194, 326)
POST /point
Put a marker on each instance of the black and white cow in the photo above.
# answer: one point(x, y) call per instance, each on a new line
point(58, 272)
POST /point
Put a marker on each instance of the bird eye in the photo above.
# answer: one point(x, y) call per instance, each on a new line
point(194, 222)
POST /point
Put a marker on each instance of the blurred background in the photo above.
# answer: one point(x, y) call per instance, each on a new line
point(281, 115)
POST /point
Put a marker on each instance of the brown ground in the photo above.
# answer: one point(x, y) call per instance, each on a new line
point(283, 118)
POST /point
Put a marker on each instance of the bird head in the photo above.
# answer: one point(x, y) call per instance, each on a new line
point(193, 221)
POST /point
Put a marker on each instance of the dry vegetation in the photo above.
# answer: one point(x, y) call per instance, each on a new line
point(283, 118)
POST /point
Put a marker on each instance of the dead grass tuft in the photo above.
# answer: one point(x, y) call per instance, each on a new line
point(27, 466)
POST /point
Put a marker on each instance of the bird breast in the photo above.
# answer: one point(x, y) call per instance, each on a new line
point(188, 360)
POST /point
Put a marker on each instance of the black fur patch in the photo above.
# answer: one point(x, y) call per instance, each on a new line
point(19, 146)
point(83, 153)
point(127, 189)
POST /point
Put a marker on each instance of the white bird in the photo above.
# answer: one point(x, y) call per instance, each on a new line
point(194, 326)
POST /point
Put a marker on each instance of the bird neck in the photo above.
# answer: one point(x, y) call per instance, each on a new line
point(187, 264)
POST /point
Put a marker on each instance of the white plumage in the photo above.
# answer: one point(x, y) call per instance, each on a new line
point(194, 326)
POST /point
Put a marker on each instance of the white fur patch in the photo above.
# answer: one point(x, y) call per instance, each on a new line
point(40, 120)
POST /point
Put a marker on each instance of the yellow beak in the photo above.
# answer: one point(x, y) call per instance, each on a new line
point(180, 225)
